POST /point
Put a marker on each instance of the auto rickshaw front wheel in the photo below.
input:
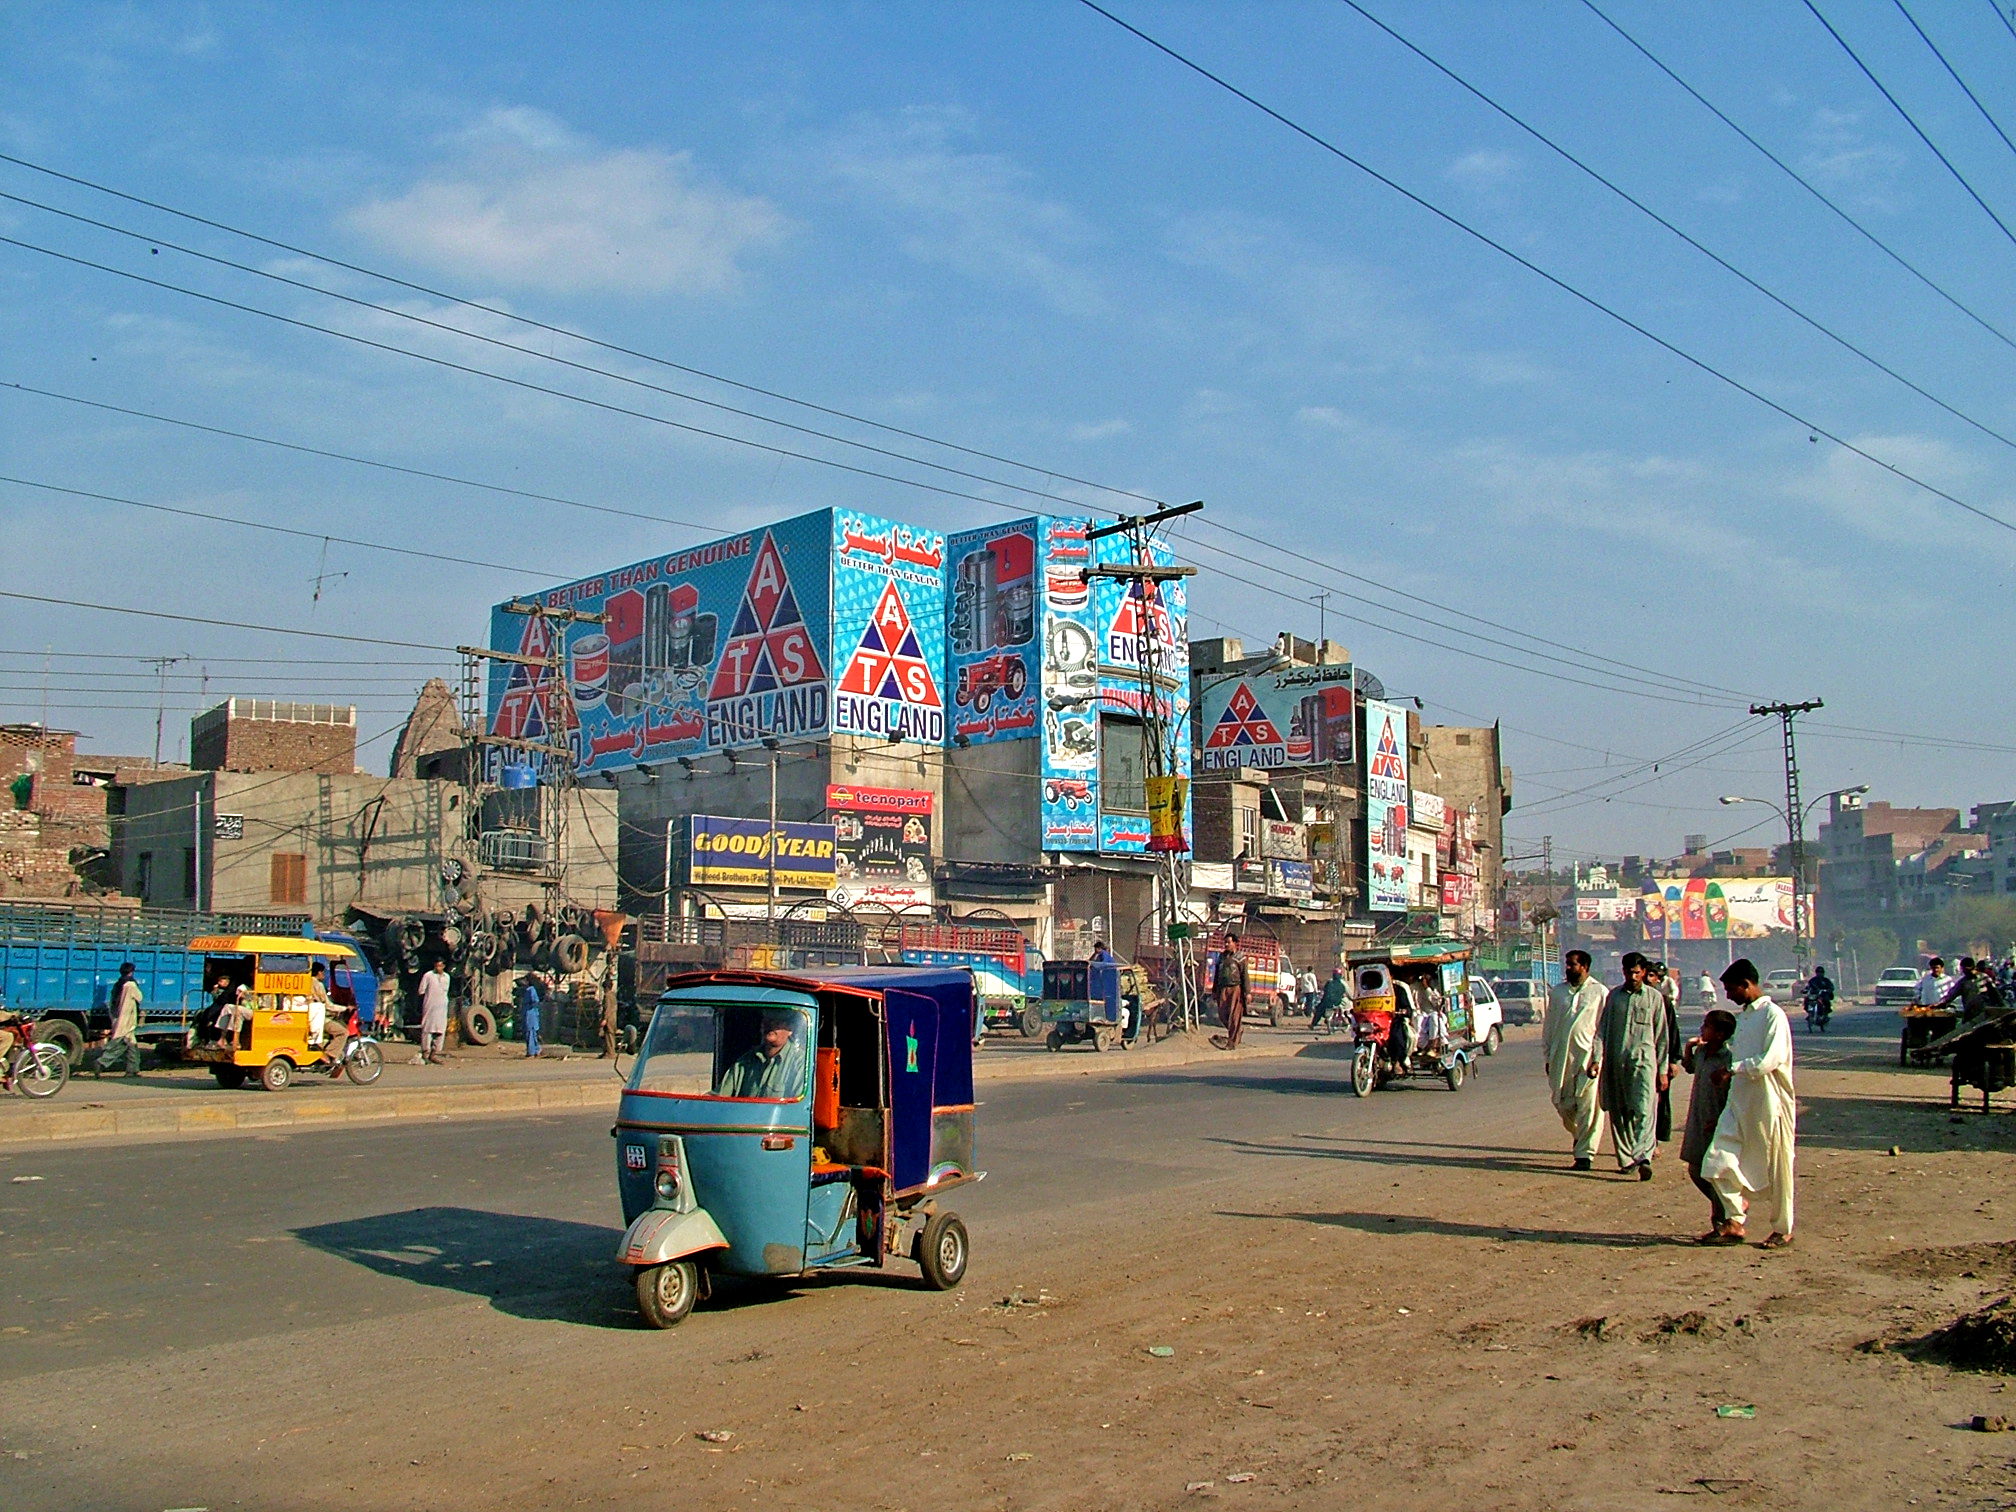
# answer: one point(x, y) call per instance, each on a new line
point(941, 1251)
point(667, 1292)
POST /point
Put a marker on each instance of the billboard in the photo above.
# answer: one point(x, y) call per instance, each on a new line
point(882, 845)
point(1715, 908)
point(1125, 613)
point(723, 852)
point(1296, 716)
point(992, 622)
point(888, 629)
point(1069, 691)
point(711, 648)
point(1387, 796)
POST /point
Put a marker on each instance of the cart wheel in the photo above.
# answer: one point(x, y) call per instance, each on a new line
point(666, 1293)
point(1365, 1070)
point(364, 1065)
point(1031, 1022)
point(1904, 1049)
point(277, 1074)
point(229, 1077)
point(1054, 1040)
point(941, 1251)
point(1453, 1075)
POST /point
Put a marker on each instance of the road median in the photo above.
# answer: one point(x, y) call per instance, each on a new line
point(142, 1111)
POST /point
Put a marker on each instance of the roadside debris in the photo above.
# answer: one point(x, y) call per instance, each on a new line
point(1736, 1410)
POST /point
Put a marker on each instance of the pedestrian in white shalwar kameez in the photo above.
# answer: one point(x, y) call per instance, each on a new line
point(1567, 1038)
point(1750, 1161)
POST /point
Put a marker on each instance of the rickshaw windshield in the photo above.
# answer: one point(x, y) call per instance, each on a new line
point(700, 1048)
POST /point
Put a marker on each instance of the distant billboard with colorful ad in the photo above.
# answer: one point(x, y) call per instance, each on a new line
point(882, 845)
point(1715, 908)
point(1296, 716)
point(1387, 796)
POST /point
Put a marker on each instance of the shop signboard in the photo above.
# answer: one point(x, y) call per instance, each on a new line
point(882, 845)
point(1387, 797)
point(1295, 880)
point(1715, 908)
point(1069, 690)
point(889, 626)
point(725, 852)
point(1296, 716)
point(1602, 910)
point(1126, 612)
point(992, 625)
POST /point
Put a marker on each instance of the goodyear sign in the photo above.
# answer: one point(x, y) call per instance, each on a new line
point(725, 852)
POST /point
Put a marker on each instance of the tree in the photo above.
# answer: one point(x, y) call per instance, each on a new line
point(1974, 926)
point(1873, 948)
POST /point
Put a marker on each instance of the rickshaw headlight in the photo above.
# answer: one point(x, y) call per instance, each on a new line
point(668, 1183)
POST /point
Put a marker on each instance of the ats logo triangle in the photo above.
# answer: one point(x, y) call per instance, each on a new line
point(1386, 760)
point(768, 646)
point(1244, 723)
point(889, 664)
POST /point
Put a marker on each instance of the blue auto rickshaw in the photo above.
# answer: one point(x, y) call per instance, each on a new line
point(838, 1112)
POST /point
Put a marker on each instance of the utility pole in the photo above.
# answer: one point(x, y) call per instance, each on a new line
point(1159, 731)
point(1795, 818)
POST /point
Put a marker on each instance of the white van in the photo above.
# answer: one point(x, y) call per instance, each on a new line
point(1487, 1018)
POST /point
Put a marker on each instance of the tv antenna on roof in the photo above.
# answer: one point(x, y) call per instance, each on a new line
point(323, 575)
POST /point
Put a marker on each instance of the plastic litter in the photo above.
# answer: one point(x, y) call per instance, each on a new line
point(1162, 1351)
point(1735, 1410)
point(714, 1436)
point(1240, 1478)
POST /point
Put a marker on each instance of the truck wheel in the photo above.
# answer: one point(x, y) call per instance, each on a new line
point(1494, 1040)
point(666, 1293)
point(231, 1078)
point(277, 1074)
point(1274, 1014)
point(941, 1251)
point(1031, 1022)
point(63, 1033)
point(479, 1025)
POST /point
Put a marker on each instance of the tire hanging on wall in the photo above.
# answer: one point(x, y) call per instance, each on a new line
point(570, 954)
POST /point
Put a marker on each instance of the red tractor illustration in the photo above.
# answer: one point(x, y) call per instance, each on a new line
point(979, 681)
point(1068, 791)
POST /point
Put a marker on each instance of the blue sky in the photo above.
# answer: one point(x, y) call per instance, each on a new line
point(1019, 228)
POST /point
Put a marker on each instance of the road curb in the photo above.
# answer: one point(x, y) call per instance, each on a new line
point(251, 1112)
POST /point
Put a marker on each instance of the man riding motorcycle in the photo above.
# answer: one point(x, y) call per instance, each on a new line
point(1819, 999)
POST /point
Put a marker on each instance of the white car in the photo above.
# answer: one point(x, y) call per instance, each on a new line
point(1487, 1018)
point(1897, 987)
point(1522, 1000)
point(1784, 985)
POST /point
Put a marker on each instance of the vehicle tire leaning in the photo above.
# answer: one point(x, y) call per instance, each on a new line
point(1365, 1070)
point(365, 1064)
point(277, 1074)
point(62, 1033)
point(666, 1293)
point(942, 1251)
point(479, 1025)
point(230, 1078)
point(570, 954)
point(1494, 1041)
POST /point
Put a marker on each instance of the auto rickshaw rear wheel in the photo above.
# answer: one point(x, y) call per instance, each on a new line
point(941, 1251)
point(666, 1293)
point(277, 1074)
point(230, 1077)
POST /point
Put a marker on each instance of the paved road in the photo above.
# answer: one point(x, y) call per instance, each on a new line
point(122, 1253)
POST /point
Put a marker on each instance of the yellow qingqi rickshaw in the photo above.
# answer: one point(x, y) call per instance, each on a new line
point(278, 1028)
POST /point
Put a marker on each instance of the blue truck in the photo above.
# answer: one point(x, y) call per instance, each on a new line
point(58, 963)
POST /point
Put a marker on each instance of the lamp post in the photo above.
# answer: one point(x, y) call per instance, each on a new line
point(1795, 838)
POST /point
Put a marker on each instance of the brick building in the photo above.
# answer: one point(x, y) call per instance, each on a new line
point(272, 735)
point(56, 811)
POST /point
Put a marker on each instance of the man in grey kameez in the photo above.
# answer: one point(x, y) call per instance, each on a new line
point(1630, 1059)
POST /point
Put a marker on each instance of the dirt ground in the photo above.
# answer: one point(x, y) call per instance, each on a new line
point(1368, 1322)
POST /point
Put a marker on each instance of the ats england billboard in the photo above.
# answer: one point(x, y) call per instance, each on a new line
point(1297, 716)
point(1387, 796)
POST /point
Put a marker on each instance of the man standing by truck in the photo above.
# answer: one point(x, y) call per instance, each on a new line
point(121, 1047)
point(1228, 984)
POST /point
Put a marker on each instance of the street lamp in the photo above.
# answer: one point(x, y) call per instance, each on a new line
point(1795, 839)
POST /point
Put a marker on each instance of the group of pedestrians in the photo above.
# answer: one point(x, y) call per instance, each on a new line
point(1981, 987)
point(1614, 1054)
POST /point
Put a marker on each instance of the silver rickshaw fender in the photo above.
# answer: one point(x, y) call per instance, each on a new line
point(662, 1234)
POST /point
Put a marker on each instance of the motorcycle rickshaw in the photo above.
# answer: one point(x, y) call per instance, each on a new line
point(838, 1111)
point(1391, 990)
point(286, 1030)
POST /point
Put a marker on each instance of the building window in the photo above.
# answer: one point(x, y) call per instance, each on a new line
point(1249, 833)
point(143, 875)
point(1123, 765)
point(290, 878)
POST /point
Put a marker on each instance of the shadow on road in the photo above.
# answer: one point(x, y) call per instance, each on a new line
point(1404, 1223)
point(1258, 1081)
point(546, 1268)
point(1403, 1153)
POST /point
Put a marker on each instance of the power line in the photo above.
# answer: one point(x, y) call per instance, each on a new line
point(1958, 177)
point(263, 661)
point(1698, 363)
point(198, 619)
point(1708, 252)
point(1954, 74)
point(1811, 188)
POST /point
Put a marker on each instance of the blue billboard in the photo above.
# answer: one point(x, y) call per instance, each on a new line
point(888, 629)
point(995, 587)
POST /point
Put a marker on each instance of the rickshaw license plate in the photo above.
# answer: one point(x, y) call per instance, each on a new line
point(636, 1157)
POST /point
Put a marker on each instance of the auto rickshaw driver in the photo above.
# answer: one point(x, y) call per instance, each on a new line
point(775, 1067)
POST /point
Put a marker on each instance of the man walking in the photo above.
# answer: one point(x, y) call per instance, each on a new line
point(121, 1047)
point(1630, 1060)
point(434, 1013)
point(1750, 1160)
point(529, 1001)
point(1934, 987)
point(1330, 1009)
point(1228, 985)
point(1567, 1039)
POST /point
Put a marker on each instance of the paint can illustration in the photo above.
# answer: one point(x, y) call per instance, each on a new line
point(588, 670)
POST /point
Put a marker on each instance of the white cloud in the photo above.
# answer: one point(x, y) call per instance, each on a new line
point(977, 212)
point(1889, 510)
point(531, 203)
point(1101, 431)
point(1839, 155)
point(1483, 168)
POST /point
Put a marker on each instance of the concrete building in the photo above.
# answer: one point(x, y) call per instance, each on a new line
point(1465, 767)
point(1861, 846)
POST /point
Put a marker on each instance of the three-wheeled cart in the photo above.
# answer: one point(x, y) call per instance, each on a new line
point(1098, 1003)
